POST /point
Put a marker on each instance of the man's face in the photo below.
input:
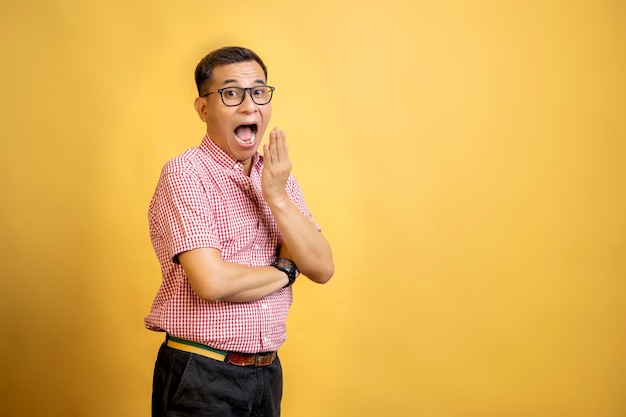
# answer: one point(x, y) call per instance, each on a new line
point(237, 130)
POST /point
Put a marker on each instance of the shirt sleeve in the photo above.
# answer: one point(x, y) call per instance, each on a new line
point(181, 213)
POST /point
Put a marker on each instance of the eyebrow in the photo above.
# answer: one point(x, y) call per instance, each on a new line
point(230, 81)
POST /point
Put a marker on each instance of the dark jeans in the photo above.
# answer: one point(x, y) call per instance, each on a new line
point(186, 384)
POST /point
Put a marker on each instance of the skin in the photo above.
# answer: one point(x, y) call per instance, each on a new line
point(209, 275)
point(221, 120)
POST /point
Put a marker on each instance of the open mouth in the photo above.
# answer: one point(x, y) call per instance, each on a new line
point(246, 134)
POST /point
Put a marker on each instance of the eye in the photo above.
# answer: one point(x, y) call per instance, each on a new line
point(259, 91)
point(231, 92)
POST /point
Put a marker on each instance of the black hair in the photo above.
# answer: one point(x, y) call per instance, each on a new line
point(223, 56)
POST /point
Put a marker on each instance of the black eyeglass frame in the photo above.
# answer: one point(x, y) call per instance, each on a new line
point(243, 96)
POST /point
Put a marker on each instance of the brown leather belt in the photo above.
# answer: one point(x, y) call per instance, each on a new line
point(234, 358)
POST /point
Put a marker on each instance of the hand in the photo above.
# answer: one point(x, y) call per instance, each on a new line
point(277, 167)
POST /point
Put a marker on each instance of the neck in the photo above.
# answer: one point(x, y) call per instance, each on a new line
point(247, 166)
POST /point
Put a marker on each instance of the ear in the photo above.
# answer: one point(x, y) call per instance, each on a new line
point(201, 107)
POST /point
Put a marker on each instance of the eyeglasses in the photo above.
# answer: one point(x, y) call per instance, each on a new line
point(234, 96)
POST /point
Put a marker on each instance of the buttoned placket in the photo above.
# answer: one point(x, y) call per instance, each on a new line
point(246, 184)
point(253, 189)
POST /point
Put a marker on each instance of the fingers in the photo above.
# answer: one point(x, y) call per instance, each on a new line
point(277, 134)
point(277, 166)
point(277, 149)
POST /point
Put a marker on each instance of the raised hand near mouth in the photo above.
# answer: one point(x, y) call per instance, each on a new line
point(301, 241)
point(276, 168)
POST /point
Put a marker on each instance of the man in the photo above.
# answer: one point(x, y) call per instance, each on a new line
point(232, 232)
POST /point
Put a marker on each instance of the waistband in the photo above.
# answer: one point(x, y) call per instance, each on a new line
point(234, 358)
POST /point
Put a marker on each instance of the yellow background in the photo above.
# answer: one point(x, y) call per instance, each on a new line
point(465, 159)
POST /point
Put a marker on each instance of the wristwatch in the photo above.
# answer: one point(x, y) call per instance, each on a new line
point(288, 267)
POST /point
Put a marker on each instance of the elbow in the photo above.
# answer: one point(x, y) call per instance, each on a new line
point(323, 279)
point(211, 296)
point(205, 273)
point(207, 292)
point(316, 264)
point(207, 289)
point(321, 276)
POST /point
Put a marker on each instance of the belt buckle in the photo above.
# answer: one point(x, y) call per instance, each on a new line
point(240, 359)
point(252, 359)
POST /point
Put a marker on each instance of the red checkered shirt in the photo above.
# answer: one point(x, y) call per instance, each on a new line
point(203, 199)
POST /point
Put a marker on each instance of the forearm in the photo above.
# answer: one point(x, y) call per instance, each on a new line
point(308, 248)
point(212, 279)
point(258, 291)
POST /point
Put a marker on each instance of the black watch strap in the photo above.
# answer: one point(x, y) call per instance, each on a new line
point(289, 268)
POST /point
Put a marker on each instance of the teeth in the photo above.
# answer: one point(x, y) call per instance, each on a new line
point(247, 142)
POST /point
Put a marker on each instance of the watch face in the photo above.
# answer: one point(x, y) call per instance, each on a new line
point(284, 263)
point(288, 267)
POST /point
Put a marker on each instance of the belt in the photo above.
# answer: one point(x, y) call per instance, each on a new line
point(234, 358)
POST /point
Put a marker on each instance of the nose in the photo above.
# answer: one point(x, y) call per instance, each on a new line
point(248, 104)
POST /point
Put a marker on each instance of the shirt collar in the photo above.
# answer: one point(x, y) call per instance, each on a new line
point(222, 158)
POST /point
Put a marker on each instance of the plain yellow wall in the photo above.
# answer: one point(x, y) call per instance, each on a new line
point(465, 159)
